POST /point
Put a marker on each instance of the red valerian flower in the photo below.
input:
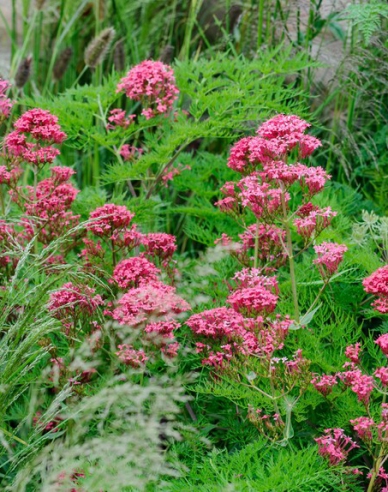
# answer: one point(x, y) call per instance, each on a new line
point(377, 284)
point(352, 352)
point(150, 302)
point(330, 255)
point(159, 244)
point(153, 84)
point(324, 384)
point(108, 219)
point(335, 446)
point(134, 272)
point(253, 301)
point(33, 128)
point(71, 299)
point(130, 356)
point(382, 342)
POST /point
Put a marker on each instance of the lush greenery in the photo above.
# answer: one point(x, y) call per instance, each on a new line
point(126, 216)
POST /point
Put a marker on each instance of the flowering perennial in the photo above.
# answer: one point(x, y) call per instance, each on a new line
point(335, 446)
point(330, 256)
point(33, 129)
point(377, 284)
point(153, 84)
point(134, 272)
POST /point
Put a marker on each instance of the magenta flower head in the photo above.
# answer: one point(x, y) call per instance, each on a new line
point(253, 301)
point(134, 272)
point(335, 446)
point(363, 426)
point(33, 129)
point(284, 132)
point(150, 302)
point(108, 219)
point(5, 103)
point(153, 84)
point(382, 342)
point(382, 374)
point(159, 244)
point(130, 356)
point(330, 256)
point(377, 284)
point(71, 300)
point(324, 384)
point(352, 352)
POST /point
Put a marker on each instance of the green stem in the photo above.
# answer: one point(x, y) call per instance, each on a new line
point(290, 257)
point(321, 290)
point(2, 202)
point(255, 259)
point(9, 434)
point(260, 24)
point(377, 463)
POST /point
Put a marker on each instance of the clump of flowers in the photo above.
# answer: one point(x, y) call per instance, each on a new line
point(330, 256)
point(108, 219)
point(382, 342)
point(5, 103)
point(160, 245)
point(134, 272)
point(72, 302)
point(131, 357)
point(33, 129)
point(352, 352)
point(48, 204)
point(118, 118)
point(153, 84)
point(129, 152)
point(270, 181)
point(153, 301)
point(377, 284)
point(335, 446)
point(324, 384)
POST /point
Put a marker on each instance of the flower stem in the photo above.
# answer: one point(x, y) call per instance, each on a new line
point(290, 257)
point(255, 259)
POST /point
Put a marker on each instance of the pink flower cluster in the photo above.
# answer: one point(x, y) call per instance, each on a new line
point(382, 342)
point(49, 203)
point(359, 383)
point(148, 305)
point(276, 138)
point(130, 356)
point(118, 118)
point(5, 103)
point(227, 332)
point(33, 129)
point(335, 446)
point(71, 300)
point(377, 284)
point(128, 152)
point(134, 272)
point(253, 301)
point(153, 84)
point(109, 219)
point(265, 189)
point(152, 301)
point(352, 352)
point(312, 222)
point(367, 429)
point(330, 255)
point(158, 244)
point(324, 384)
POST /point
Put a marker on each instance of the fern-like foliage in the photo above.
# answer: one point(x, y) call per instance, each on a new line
point(367, 16)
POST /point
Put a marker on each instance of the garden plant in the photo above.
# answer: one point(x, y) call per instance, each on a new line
point(193, 248)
